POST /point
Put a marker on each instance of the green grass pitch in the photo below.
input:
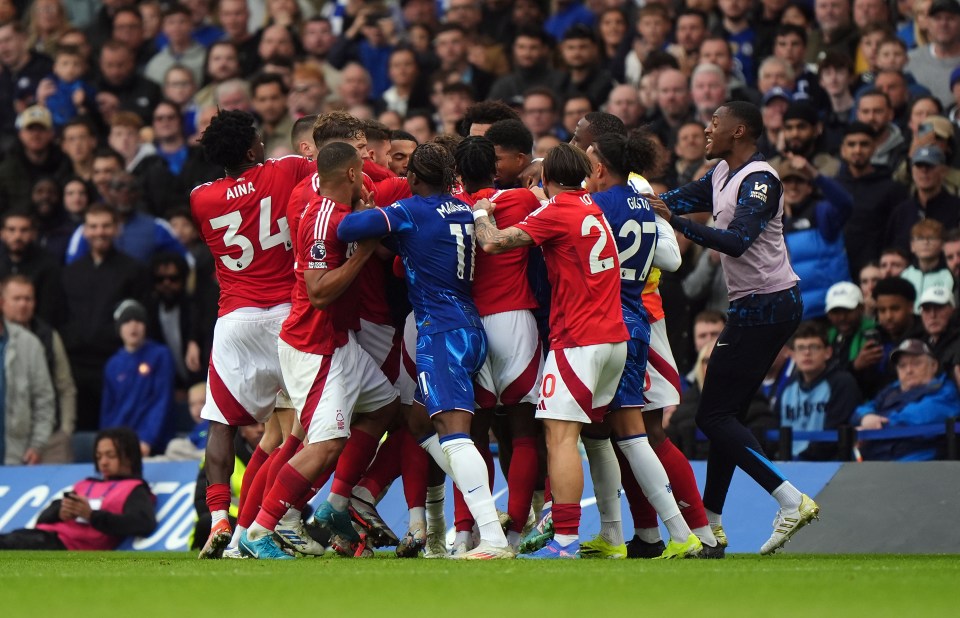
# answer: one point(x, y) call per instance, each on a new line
point(36, 584)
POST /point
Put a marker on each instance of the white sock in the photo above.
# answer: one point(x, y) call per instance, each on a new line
point(432, 446)
point(218, 516)
point(435, 496)
point(705, 534)
point(565, 539)
point(788, 496)
point(338, 502)
point(418, 514)
point(648, 535)
point(362, 493)
point(713, 518)
point(256, 532)
point(513, 538)
point(235, 539)
point(463, 537)
point(651, 476)
point(605, 472)
point(470, 474)
point(290, 517)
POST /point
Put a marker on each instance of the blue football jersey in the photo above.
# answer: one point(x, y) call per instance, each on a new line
point(634, 227)
point(436, 240)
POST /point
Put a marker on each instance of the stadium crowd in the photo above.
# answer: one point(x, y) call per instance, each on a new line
point(110, 296)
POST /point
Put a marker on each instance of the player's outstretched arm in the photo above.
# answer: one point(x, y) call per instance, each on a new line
point(371, 223)
point(491, 239)
point(325, 286)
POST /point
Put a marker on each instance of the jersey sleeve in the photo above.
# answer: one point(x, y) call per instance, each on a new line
point(390, 190)
point(543, 224)
point(696, 196)
point(319, 247)
point(375, 223)
point(298, 167)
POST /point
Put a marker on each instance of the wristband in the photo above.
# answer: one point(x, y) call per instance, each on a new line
point(479, 213)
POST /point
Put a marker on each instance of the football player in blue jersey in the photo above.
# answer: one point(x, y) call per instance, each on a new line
point(434, 235)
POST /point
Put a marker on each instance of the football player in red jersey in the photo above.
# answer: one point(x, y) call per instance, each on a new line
point(328, 375)
point(587, 332)
point(510, 376)
point(242, 219)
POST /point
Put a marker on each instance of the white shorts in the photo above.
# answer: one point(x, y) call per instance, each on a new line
point(380, 341)
point(328, 390)
point(662, 386)
point(511, 373)
point(579, 383)
point(407, 380)
point(244, 379)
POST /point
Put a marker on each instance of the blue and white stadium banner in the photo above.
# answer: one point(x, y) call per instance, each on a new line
point(26, 491)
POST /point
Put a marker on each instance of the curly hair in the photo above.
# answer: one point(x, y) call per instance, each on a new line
point(228, 138)
point(476, 159)
point(433, 164)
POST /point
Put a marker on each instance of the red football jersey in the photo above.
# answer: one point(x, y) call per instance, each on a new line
point(244, 222)
point(500, 281)
point(306, 328)
point(387, 191)
point(300, 198)
point(583, 269)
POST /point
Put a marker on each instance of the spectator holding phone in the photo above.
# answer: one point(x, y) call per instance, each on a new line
point(99, 512)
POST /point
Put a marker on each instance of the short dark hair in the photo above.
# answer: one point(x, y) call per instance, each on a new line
point(694, 13)
point(535, 32)
point(264, 79)
point(580, 32)
point(70, 50)
point(710, 315)
point(79, 121)
point(544, 92)
point(106, 152)
point(99, 208)
point(459, 88)
point(476, 159)
point(874, 92)
point(488, 112)
point(788, 29)
point(512, 135)
point(302, 126)
point(335, 157)
point(602, 123)
point(636, 152)
point(811, 330)
point(566, 165)
point(749, 114)
point(450, 27)
point(376, 131)
point(402, 136)
point(228, 138)
point(895, 286)
point(836, 60)
point(859, 127)
point(170, 257)
point(20, 213)
point(177, 9)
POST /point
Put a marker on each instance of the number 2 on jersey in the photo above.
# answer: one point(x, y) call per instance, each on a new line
point(231, 238)
point(460, 232)
point(597, 264)
point(637, 230)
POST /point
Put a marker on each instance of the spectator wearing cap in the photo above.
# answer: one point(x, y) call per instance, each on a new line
point(774, 106)
point(848, 324)
point(22, 70)
point(928, 269)
point(34, 155)
point(940, 328)
point(934, 64)
point(819, 395)
point(937, 131)
point(138, 382)
point(928, 200)
point(94, 285)
point(580, 53)
point(815, 210)
point(875, 109)
point(531, 66)
point(921, 395)
point(876, 196)
point(802, 136)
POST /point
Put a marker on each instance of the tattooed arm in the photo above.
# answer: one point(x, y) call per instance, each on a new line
point(493, 240)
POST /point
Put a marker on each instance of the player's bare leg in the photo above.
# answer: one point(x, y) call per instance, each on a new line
point(469, 472)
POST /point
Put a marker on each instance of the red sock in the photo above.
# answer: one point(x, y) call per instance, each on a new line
point(566, 518)
point(218, 497)
point(256, 460)
point(386, 465)
point(289, 487)
point(462, 519)
point(644, 515)
point(286, 451)
point(317, 486)
point(415, 466)
point(522, 476)
point(684, 484)
point(354, 460)
point(251, 506)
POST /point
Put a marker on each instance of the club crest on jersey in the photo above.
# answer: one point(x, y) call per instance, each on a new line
point(318, 251)
point(240, 190)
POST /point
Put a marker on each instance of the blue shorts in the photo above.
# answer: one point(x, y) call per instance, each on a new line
point(633, 380)
point(446, 366)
